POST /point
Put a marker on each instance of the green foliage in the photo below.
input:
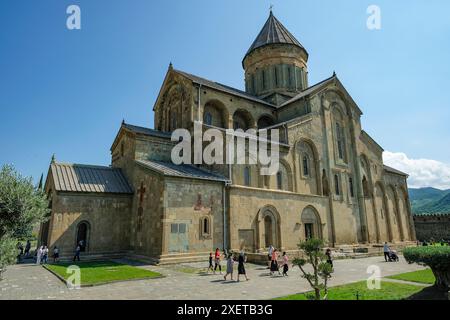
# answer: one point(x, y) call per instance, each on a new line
point(99, 272)
point(313, 251)
point(8, 253)
point(388, 291)
point(420, 276)
point(21, 207)
point(21, 204)
point(436, 257)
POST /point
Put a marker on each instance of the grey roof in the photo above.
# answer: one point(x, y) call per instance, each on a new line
point(273, 32)
point(87, 178)
point(309, 90)
point(392, 170)
point(222, 87)
point(146, 131)
point(182, 170)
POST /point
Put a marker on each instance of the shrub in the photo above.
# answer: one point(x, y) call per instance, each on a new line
point(437, 258)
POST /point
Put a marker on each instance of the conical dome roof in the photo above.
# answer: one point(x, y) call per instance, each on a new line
point(273, 32)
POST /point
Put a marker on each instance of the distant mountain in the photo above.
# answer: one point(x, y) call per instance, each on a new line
point(429, 200)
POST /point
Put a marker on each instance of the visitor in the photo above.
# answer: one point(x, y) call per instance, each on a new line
point(20, 248)
point(230, 263)
point(55, 254)
point(329, 257)
point(27, 248)
point(45, 255)
point(285, 264)
point(77, 253)
point(39, 255)
point(217, 261)
point(241, 266)
point(274, 263)
point(269, 256)
point(386, 251)
point(210, 267)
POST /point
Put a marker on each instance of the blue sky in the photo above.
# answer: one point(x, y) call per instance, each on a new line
point(66, 91)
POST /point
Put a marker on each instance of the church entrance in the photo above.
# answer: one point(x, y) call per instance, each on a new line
point(268, 229)
point(82, 235)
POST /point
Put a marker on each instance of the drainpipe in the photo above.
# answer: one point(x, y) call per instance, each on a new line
point(199, 104)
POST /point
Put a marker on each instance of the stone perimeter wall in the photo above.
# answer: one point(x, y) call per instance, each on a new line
point(432, 227)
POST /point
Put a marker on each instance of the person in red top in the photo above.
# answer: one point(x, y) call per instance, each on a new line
point(217, 261)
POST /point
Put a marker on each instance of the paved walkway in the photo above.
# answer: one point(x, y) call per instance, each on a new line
point(182, 282)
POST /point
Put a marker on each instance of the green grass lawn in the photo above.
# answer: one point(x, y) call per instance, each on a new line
point(103, 271)
point(421, 276)
point(388, 291)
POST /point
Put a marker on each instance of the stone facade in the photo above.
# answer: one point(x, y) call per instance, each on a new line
point(331, 183)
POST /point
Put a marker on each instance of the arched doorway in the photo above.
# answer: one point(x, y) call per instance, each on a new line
point(312, 226)
point(83, 235)
point(268, 228)
point(268, 231)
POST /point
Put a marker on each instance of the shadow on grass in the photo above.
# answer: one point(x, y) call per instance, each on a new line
point(429, 293)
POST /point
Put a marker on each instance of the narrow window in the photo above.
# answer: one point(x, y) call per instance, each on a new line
point(247, 176)
point(122, 149)
point(337, 190)
point(339, 141)
point(264, 79)
point(182, 228)
point(279, 180)
point(205, 226)
point(276, 76)
point(305, 166)
point(208, 118)
point(350, 183)
point(289, 76)
point(174, 228)
point(173, 120)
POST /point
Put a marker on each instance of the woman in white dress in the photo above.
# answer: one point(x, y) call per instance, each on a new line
point(39, 255)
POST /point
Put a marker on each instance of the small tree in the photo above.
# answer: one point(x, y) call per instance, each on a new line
point(314, 255)
point(21, 207)
point(435, 257)
point(8, 253)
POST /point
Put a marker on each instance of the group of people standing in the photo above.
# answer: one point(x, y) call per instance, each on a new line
point(42, 255)
point(230, 258)
point(274, 264)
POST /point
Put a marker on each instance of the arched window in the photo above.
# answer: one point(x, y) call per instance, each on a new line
point(247, 176)
point(350, 184)
point(205, 226)
point(268, 231)
point(279, 180)
point(173, 121)
point(208, 118)
point(337, 189)
point(365, 186)
point(305, 166)
point(325, 186)
point(339, 141)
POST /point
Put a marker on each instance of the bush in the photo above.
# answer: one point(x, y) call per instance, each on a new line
point(437, 258)
point(8, 253)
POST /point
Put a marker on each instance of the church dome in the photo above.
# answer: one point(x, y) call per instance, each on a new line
point(273, 32)
point(275, 64)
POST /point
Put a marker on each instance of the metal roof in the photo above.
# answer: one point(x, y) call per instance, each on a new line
point(147, 131)
point(392, 170)
point(182, 170)
point(88, 178)
point(273, 32)
point(222, 87)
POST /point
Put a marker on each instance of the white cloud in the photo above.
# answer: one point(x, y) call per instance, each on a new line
point(422, 172)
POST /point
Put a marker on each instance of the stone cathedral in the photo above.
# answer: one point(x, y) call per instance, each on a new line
point(331, 183)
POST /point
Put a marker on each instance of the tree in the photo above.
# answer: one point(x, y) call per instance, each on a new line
point(21, 207)
point(313, 250)
point(437, 258)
